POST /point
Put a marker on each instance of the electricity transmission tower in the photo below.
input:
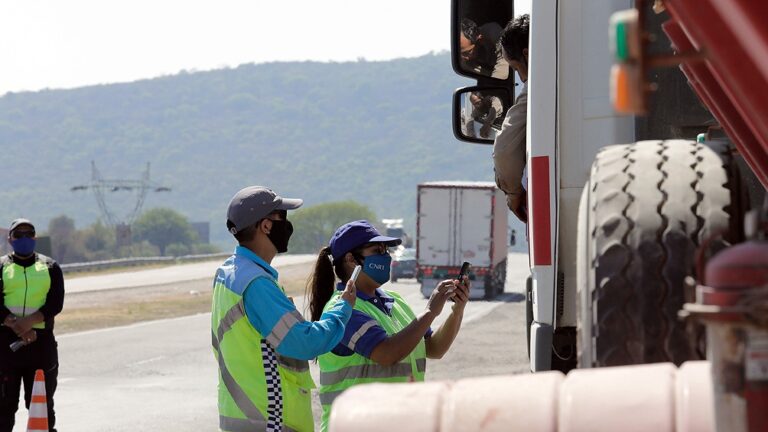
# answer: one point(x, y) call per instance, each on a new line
point(101, 187)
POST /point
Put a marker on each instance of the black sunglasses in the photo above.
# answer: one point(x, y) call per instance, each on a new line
point(22, 234)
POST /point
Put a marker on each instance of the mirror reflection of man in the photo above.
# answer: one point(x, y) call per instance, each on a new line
point(486, 109)
point(479, 51)
point(509, 147)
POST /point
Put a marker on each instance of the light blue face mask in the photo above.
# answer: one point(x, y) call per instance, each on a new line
point(377, 267)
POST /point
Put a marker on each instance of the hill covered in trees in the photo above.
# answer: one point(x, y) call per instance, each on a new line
point(362, 131)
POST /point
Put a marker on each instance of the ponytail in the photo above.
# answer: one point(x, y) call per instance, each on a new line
point(321, 284)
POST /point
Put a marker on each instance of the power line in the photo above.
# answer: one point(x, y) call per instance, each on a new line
point(102, 187)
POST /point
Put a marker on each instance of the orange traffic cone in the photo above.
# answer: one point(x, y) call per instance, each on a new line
point(38, 406)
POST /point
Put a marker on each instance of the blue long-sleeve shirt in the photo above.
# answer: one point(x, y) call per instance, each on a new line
point(265, 305)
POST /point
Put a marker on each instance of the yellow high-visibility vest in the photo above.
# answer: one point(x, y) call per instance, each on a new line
point(26, 288)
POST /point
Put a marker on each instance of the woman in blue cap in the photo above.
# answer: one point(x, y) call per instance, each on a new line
point(384, 341)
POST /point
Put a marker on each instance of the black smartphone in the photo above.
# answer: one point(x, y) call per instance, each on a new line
point(464, 271)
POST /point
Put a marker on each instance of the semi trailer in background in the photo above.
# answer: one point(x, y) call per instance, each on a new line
point(461, 221)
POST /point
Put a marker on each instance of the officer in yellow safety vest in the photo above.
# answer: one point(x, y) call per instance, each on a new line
point(261, 342)
point(31, 294)
point(384, 340)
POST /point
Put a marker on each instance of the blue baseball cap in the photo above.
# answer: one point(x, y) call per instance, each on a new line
point(355, 234)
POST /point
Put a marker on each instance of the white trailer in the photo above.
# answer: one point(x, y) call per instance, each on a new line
point(462, 221)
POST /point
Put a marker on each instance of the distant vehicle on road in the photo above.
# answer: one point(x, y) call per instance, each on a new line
point(394, 228)
point(403, 264)
point(462, 221)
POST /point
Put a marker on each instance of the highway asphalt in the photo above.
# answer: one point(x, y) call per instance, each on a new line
point(165, 275)
point(161, 375)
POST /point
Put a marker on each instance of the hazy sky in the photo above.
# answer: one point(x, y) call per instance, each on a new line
point(71, 43)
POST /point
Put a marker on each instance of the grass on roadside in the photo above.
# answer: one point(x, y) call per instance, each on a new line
point(123, 313)
point(106, 271)
point(161, 306)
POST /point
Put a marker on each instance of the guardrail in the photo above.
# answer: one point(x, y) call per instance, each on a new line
point(130, 262)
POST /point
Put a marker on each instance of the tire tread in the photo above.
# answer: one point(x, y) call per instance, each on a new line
point(651, 205)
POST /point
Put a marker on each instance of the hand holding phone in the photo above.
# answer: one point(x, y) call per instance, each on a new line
point(350, 292)
point(17, 345)
point(464, 271)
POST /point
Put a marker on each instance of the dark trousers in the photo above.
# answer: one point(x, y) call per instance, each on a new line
point(19, 367)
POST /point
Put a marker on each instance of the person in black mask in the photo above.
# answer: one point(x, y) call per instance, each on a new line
point(31, 294)
point(260, 341)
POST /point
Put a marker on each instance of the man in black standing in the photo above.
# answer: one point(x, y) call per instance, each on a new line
point(31, 294)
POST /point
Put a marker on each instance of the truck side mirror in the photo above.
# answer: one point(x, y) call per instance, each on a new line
point(476, 26)
point(478, 113)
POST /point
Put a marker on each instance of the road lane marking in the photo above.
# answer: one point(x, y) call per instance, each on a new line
point(131, 326)
point(141, 362)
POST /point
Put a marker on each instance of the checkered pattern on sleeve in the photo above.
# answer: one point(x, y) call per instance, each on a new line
point(274, 391)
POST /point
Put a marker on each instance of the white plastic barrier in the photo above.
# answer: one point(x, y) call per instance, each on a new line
point(627, 399)
point(656, 397)
point(389, 407)
point(695, 397)
point(483, 403)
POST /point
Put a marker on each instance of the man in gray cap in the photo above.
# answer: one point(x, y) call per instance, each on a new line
point(261, 342)
point(31, 294)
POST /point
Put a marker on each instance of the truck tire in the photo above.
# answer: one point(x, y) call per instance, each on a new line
point(528, 312)
point(490, 288)
point(499, 277)
point(650, 205)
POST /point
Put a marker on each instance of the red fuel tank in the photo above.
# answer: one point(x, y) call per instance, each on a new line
point(737, 334)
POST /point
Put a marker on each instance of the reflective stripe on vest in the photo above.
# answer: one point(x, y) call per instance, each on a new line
point(359, 333)
point(238, 394)
point(25, 289)
point(293, 364)
point(370, 370)
point(283, 326)
point(328, 397)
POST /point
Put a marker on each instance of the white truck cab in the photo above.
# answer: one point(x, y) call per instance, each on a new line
point(570, 118)
point(568, 89)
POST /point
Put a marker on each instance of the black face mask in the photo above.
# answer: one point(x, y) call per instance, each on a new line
point(280, 234)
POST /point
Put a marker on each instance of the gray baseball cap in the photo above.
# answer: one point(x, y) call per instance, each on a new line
point(251, 204)
point(18, 222)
